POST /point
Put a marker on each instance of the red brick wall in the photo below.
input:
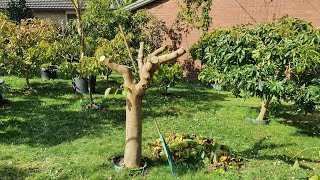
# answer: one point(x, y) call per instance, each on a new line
point(226, 13)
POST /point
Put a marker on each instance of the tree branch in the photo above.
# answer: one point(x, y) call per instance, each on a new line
point(158, 51)
point(152, 65)
point(168, 57)
point(140, 56)
point(122, 70)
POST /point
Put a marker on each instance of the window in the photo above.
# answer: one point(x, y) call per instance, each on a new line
point(71, 17)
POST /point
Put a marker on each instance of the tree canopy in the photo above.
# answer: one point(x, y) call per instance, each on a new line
point(278, 60)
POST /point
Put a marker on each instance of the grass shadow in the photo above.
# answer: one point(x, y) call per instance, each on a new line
point(253, 153)
point(9, 172)
point(307, 124)
point(33, 122)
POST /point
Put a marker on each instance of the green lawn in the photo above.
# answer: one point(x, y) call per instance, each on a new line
point(45, 135)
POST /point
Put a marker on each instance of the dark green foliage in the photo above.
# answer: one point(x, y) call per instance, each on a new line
point(17, 10)
point(197, 150)
point(279, 60)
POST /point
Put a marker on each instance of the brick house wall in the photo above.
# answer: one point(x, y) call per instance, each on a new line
point(227, 13)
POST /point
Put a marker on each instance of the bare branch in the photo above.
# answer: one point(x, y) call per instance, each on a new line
point(140, 56)
point(168, 57)
point(122, 70)
point(158, 51)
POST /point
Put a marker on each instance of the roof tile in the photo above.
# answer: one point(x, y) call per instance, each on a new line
point(43, 4)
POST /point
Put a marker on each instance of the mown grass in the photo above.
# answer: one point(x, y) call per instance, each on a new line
point(45, 135)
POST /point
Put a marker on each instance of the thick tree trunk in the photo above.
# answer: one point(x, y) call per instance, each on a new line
point(264, 107)
point(132, 155)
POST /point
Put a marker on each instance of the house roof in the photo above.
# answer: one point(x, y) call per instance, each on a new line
point(43, 4)
point(138, 4)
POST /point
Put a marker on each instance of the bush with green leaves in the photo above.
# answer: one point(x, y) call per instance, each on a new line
point(167, 76)
point(197, 150)
point(272, 61)
point(28, 46)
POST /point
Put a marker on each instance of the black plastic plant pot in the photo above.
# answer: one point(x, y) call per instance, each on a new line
point(49, 73)
point(117, 161)
point(81, 85)
point(259, 122)
point(1, 84)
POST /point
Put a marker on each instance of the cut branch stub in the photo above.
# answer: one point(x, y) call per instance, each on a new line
point(154, 60)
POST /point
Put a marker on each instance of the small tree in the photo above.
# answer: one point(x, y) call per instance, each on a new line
point(18, 10)
point(25, 44)
point(167, 76)
point(135, 92)
point(278, 60)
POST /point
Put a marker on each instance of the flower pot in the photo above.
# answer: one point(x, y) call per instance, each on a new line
point(49, 73)
point(1, 89)
point(117, 161)
point(259, 122)
point(81, 85)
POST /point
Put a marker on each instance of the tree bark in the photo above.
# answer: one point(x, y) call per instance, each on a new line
point(132, 156)
point(264, 106)
point(27, 83)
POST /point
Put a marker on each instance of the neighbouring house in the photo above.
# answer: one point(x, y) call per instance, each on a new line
point(227, 13)
point(59, 11)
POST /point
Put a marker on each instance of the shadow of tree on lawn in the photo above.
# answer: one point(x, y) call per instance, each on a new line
point(33, 121)
point(253, 153)
point(308, 125)
point(9, 172)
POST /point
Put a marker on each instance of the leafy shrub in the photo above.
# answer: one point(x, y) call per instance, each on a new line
point(198, 150)
point(272, 61)
point(167, 76)
point(29, 45)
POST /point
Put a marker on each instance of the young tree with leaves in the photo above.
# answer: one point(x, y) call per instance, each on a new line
point(272, 61)
point(26, 42)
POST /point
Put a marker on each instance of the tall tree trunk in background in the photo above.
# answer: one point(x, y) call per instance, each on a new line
point(264, 107)
point(136, 91)
point(78, 4)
